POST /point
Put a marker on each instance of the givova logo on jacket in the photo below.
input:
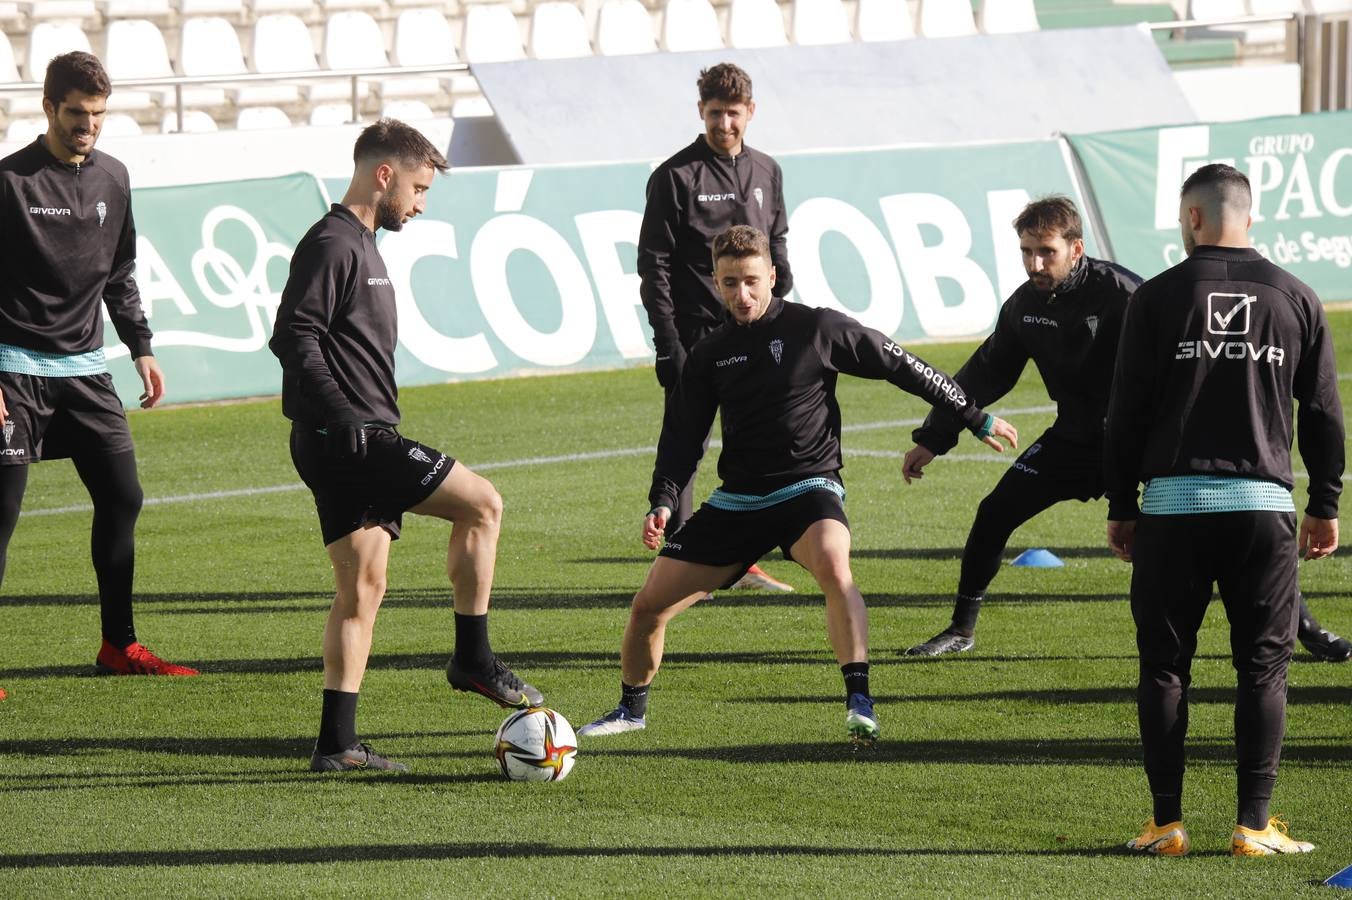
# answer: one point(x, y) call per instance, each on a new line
point(1230, 315)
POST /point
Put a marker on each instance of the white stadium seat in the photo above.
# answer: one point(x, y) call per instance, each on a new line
point(492, 35)
point(558, 31)
point(282, 43)
point(1008, 16)
point(259, 118)
point(331, 114)
point(471, 107)
point(16, 105)
point(423, 37)
point(883, 20)
point(209, 46)
point(195, 121)
point(407, 111)
point(62, 10)
point(136, 49)
point(25, 130)
point(946, 18)
point(820, 22)
point(120, 125)
point(624, 27)
point(755, 23)
point(268, 7)
point(158, 10)
point(353, 40)
point(230, 9)
point(690, 25)
point(49, 39)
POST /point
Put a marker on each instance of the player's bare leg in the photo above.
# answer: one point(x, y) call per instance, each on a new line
point(474, 508)
point(359, 563)
point(824, 550)
point(672, 586)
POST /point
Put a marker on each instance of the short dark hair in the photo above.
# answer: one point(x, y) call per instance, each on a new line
point(725, 82)
point(1055, 215)
point(391, 138)
point(1229, 184)
point(740, 242)
point(75, 71)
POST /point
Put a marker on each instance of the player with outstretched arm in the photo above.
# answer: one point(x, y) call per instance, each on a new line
point(771, 372)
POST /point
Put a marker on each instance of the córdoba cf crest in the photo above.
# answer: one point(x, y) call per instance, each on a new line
point(777, 350)
point(102, 209)
point(760, 197)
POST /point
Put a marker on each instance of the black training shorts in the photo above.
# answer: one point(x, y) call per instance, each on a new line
point(54, 418)
point(721, 537)
point(396, 474)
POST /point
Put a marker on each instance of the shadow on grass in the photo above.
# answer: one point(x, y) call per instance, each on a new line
point(1002, 752)
point(243, 747)
point(119, 780)
point(1297, 695)
point(264, 856)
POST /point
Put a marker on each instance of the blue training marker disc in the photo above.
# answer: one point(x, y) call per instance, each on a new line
point(1037, 558)
point(1341, 879)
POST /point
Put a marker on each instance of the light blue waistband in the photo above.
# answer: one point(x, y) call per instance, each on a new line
point(23, 361)
point(721, 499)
point(1183, 495)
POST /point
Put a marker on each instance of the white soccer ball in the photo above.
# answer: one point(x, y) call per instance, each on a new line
point(536, 744)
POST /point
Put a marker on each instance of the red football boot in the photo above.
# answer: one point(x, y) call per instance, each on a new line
point(135, 659)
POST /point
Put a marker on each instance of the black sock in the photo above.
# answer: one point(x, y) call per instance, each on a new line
point(116, 495)
point(13, 482)
point(965, 611)
point(1253, 812)
point(472, 652)
point(1168, 809)
point(635, 699)
point(1309, 625)
point(856, 678)
point(337, 722)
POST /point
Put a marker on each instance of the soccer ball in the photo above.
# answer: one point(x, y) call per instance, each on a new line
point(536, 744)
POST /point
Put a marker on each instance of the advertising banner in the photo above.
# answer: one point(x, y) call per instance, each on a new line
point(1300, 169)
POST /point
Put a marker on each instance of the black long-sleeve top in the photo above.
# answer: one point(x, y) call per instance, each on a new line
point(1070, 334)
point(69, 246)
point(774, 381)
point(693, 197)
point(1213, 351)
point(337, 327)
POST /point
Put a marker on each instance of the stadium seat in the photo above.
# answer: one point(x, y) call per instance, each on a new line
point(755, 23)
point(624, 27)
point(120, 125)
point(820, 22)
point(235, 10)
point(883, 20)
point(271, 7)
point(195, 121)
point(1008, 16)
point(136, 49)
point(407, 111)
point(282, 43)
point(155, 10)
point(258, 118)
point(423, 37)
point(375, 7)
point(67, 11)
point(558, 31)
point(690, 25)
point(209, 46)
point(25, 130)
point(471, 107)
point(15, 105)
point(492, 35)
point(352, 40)
point(331, 114)
point(49, 39)
point(946, 18)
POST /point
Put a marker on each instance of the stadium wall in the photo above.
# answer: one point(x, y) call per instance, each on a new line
point(531, 269)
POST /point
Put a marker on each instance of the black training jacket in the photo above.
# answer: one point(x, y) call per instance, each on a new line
point(1071, 336)
point(1213, 351)
point(69, 245)
point(336, 327)
point(775, 384)
point(692, 198)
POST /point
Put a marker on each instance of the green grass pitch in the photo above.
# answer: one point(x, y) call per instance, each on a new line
point(1012, 770)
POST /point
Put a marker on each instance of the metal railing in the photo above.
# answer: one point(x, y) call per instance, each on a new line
point(180, 82)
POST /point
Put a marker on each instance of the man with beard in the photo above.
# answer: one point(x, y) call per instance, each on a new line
point(715, 182)
point(70, 249)
point(335, 336)
point(1066, 318)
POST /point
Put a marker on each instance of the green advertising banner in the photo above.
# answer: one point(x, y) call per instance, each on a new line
point(533, 269)
point(211, 261)
point(523, 269)
point(1300, 168)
